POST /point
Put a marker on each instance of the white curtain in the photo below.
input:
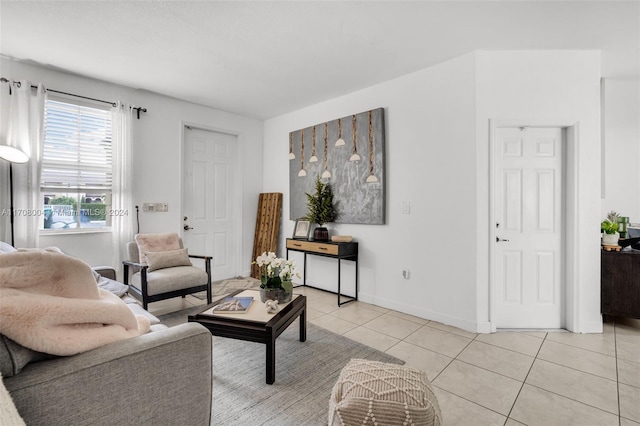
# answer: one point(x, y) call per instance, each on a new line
point(122, 199)
point(26, 132)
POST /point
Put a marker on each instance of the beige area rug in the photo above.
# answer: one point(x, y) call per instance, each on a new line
point(305, 371)
point(305, 375)
point(222, 287)
point(218, 289)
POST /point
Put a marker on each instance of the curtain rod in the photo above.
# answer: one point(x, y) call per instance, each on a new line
point(138, 109)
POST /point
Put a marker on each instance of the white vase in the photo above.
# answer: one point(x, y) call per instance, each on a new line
point(610, 239)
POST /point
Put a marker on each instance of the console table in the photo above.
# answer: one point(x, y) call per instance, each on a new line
point(340, 251)
point(620, 284)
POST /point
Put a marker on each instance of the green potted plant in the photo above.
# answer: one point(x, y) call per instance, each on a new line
point(609, 228)
point(321, 209)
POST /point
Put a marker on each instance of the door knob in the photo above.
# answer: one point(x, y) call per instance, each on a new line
point(500, 240)
point(187, 227)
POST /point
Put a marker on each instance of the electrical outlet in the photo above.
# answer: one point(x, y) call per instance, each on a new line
point(405, 274)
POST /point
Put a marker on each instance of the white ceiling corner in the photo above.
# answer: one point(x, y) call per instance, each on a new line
point(265, 58)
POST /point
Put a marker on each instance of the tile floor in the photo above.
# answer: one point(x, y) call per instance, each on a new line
point(505, 378)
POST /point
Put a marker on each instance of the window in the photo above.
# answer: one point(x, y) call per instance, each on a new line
point(76, 166)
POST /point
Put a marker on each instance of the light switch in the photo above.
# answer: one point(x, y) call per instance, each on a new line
point(155, 207)
point(405, 207)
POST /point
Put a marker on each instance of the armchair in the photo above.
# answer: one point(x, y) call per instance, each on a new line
point(164, 274)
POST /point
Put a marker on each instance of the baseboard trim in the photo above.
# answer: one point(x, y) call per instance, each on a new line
point(591, 327)
point(454, 321)
point(483, 327)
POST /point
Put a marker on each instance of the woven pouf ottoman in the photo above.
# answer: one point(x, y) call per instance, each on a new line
point(377, 393)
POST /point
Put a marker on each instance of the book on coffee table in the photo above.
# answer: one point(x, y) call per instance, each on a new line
point(233, 305)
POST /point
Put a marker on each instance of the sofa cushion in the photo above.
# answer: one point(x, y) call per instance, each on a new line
point(6, 248)
point(155, 379)
point(110, 285)
point(148, 243)
point(167, 259)
point(137, 310)
point(128, 299)
point(13, 356)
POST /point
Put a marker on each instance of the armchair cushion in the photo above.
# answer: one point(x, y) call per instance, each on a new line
point(159, 284)
point(169, 279)
point(167, 259)
point(156, 242)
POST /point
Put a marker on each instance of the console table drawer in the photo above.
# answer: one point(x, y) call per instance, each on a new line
point(314, 247)
point(298, 245)
point(324, 248)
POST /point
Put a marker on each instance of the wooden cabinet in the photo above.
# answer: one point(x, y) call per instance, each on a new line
point(620, 283)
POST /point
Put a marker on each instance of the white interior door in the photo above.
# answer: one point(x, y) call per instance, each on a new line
point(529, 213)
point(211, 199)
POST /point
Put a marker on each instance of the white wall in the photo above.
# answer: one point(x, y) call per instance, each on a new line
point(622, 148)
point(430, 162)
point(437, 159)
point(546, 87)
point(437, 123)
point(157, 156)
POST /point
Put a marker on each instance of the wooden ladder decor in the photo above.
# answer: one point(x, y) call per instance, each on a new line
point(267, 227)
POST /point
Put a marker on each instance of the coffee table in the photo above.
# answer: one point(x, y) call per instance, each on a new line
point(256, 325)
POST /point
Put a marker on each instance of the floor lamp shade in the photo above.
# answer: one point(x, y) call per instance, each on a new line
point(12, 155)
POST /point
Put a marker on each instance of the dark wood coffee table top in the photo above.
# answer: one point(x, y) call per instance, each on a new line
point(256, 325)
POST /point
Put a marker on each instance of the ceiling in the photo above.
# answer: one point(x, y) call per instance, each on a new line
point(262, 59)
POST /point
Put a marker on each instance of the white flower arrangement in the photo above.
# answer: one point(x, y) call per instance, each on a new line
point(273, 266)
point(288, 271)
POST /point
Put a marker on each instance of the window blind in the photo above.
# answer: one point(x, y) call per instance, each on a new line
point(77, 148)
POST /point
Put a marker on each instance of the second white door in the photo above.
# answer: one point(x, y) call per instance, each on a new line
point(211, 201)
point(529, 213)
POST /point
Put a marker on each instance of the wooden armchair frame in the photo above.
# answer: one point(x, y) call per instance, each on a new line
point(142, 293)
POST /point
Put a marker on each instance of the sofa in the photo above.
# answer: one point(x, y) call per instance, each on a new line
point(161, 377)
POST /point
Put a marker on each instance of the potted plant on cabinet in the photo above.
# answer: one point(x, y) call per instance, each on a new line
point(321, 209)
point(609, 228)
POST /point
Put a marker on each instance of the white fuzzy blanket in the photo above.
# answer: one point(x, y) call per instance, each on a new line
point(50, 302)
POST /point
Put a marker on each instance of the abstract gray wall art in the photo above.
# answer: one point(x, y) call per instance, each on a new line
point(354, 166)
